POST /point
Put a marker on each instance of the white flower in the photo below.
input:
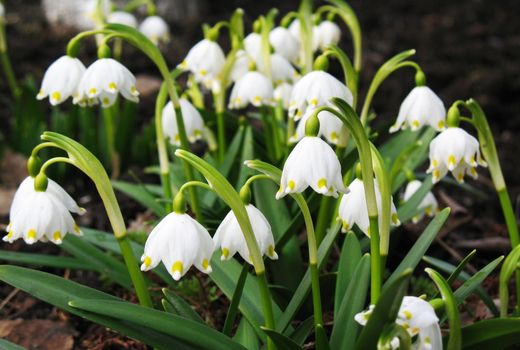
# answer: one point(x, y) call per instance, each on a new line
point(328, 33)
point(282, 93)
point(61, 80)
point(284, 43)
point(122, 17)
point(205, 61)
point(316, 89)
point(230, 239)
point(253, 47)
point(295, 30)
point(313, 163)
point(102, 81)
point(428, 205)
point(41, 215)
point(156, 29)
point(281, 70)
point(253, 88)
point(418, 317)
point(353, 208)
point(421, 107)
point(179, 242)
point(331, 127)
point(240, 66)
point(457, 151)
point(193, 122)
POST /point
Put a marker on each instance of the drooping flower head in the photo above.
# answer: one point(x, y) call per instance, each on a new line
point(193, 122)
point(205, 61)
point(240, 66)
point(102, 82)
point(353, 208)
point(230, 239)
point(156, 29)
point(330, 128)
point(61, 80)
point(427, 206)
point(179, 242)
point(253, 47)
point(122, 17)
point(284, 43)
point(281, 70)
point(253, 88)
point(421, 107)
point(327, 33)
point(43, 214)
point(457, 151)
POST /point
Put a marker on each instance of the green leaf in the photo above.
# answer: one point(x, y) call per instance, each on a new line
point(322, 343)
point(59, 291)
point(181, 307)
point(498, 333)
point(246, 335)
point(247, 153)
point(7, 345)
point(348, 262)
point(385, 311)
point(344, 332)
point(142, 195)
point(280, 340)
point(62, 262)
point(186, 331)
point(509, 267)
point(420, 247)
point(301, 333)
point(450, 305)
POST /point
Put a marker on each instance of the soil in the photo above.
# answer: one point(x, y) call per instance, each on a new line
point(468, 48)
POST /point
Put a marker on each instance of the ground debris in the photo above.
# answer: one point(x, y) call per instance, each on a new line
point(38, 334)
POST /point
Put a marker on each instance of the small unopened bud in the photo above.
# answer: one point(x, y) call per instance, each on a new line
point(420, 78)
point(359, 173)
point(179, 203)
point(245, 195)
point(34, 164)
point(104, 51)
point(40, 182)
point(453, 117)
point(312, 125)
point(321, 63)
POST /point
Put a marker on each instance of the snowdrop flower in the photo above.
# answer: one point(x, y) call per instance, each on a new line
point(313, 163)
point(240, 66)
point(281, 70)
point(284, 43)
point(295, 29)
point(179, 242)
point(328, 33)
point(156, 29)
point(103, 80)
point(418, 317)
point(37, 215)
point(61, 80)
point(253, 88)
point(353, 208)
point(253, 47)
point(457, 151)
point(193, 122)
point(282, 93)
point(205, 61)
point(230, 239)
point(330, 128)
point(316, 89)
point(428, 205)
point(122, 17)
point(421, 107)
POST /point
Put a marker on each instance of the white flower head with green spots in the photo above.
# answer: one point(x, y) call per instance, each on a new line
point(122, 17)
point(193, 122)
point(41, 215)
point(253, 88)
point(331, 127)
point(230, 239)
point(156, 29)
point(205, 60)
point(428, 205)
point(353, 208)
point(61, 80)
point(285, 44)
point(457, 151)
point(179, 242)
point(421, 107)
point(102, 82)
point(312, 162)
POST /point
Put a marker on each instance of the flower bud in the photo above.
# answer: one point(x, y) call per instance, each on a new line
point(33, 165)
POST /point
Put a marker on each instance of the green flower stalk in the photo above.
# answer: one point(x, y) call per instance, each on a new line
point(5, 61)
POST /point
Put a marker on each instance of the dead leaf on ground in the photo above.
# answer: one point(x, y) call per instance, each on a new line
point(38, 334)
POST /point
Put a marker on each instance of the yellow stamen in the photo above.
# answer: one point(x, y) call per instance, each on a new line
point(203, 72)
point(205, 264)
point(333, 136)
point(472, 160)
point(106, 101)
point(441, 124)
point(10, 234)
point(92, 91)
point(345, 225)
point(395, 219)
point(257, 99)
point(133, 90)
point(451, 160)
point(313, 102)
point(460, 177)
point(112, 86)
point(291, 185)
point(76, 228)
point(31, 234)
point(428, 211)
point(407, 314)
point(436, 174)
point(177, 267)
point(183, 64)
point(225, 252)
point(270, 250)
point(435, 163)
point(56, 96)
point(416, 124)
point(322, 182)
point(147, 261)
point(197, 133)
point(57, 236)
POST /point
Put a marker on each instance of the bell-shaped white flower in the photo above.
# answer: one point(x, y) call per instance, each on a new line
point(253, 88)
point(316, 89)
point(284, 43)
point(156, 29)
point(295, 29)
point(193, 122)
point(240, 66)
point(61, 80)
point(103, 80)
point(313, 163)
point(457, 151)
point(353, 208)
point(331, 127)
point(281, 70)
point(328, 33)
point(253, 47)
point(427, 206)
point(122, 17)
point(421, 107)
point(179, 242)
point(41, 215)
point(230, 239)
point(205, 61)
point(282, 93)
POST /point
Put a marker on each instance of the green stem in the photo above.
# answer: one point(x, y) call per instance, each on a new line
point(280, 118)
point(9, 74)
point(164, 163)
point(268, 133)
point(324, 215)
point(305, 19)
point(266, 305)
point(221, 126)
point(112, 156)
point(276, 135)
point(375, 263)
point(235, 301)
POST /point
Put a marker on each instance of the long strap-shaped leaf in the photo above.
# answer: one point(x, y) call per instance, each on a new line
point(498, 333)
